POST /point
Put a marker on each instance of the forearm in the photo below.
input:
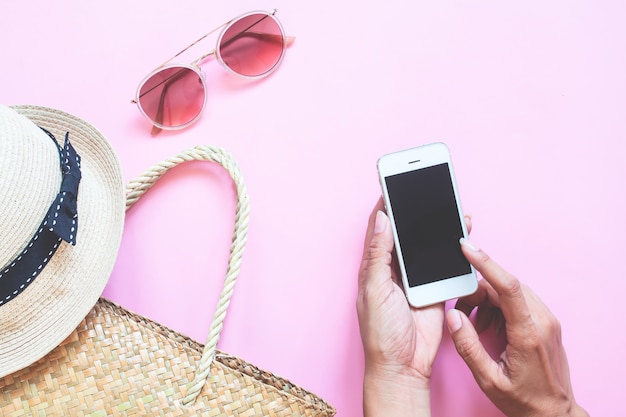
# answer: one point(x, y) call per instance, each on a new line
point(386, 394)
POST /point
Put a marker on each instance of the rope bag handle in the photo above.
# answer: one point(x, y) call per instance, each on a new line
point(138, 186)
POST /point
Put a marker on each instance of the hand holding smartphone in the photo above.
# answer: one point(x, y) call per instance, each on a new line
point(422, 202)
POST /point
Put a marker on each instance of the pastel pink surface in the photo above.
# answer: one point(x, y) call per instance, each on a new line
point(528, 96)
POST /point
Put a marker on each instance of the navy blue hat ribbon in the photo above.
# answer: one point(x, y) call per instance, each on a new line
point(59, 224)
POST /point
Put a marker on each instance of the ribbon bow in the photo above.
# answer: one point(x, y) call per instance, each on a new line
point(62, 216)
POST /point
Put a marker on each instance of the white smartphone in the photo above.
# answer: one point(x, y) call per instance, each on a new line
point(422, 202)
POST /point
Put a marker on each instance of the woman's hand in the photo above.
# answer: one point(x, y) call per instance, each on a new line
point(531, 376)
point(400, 342)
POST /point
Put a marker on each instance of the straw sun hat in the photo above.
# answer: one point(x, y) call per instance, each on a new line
point(56, 251)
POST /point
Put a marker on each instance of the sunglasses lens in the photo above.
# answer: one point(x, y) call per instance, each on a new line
point(253, 45)
point(172, 97)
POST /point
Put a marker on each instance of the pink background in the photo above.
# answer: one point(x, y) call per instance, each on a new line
point(529, 96)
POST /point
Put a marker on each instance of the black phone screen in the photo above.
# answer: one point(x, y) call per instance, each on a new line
point(428, 224)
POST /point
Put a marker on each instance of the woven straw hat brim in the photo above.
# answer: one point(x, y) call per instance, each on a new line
point(51, 307)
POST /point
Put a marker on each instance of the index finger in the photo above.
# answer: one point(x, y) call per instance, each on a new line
point(509, 289)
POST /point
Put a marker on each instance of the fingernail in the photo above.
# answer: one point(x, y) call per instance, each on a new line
point(454, 320)
point(468, 244)
point(380, 223)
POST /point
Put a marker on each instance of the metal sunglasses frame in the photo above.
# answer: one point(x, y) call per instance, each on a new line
point(195, 65)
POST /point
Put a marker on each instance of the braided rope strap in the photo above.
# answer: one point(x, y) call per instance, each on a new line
point(137, 187)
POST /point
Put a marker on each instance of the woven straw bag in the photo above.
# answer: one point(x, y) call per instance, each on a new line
point(118, 363)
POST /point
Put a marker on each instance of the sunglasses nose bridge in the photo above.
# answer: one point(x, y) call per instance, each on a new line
point(198, 61)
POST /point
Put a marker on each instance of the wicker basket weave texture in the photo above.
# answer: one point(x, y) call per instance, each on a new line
point(118, 363)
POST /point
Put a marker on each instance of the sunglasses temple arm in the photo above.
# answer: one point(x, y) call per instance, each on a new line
point(159, 115)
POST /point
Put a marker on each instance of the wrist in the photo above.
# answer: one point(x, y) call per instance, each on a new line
point(574, 410)
point(389, 391)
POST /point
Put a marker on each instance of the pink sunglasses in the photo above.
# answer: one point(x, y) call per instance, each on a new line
point(174, 95)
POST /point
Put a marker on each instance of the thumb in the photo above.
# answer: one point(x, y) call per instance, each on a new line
point(470, 348)
point(382, 237)
point(377, 254)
